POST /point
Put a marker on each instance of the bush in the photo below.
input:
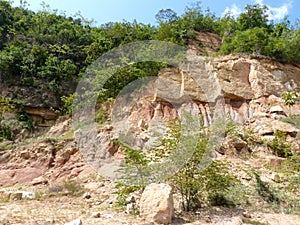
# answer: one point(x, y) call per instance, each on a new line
point(67, 101)
point(6, 133)
point(199, 187)
point(279, 146)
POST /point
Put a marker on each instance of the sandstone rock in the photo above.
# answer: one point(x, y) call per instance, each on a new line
point(74, 222)
point(130, 208)
point(156, 204)
point(96, 214)
point(285, 127)
point(39, 180)
point(86, 195)
point(275, 177)
point(247, 215)
point(274, 161)
point(5, 195)
point(277, 109)
point(25, 154)
point(131, 199)
point(28, 195)
point(108, 216)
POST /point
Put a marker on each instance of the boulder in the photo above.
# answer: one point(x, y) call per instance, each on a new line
point(156, 204)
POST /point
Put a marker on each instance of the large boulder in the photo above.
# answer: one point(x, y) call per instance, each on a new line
point(156, 204)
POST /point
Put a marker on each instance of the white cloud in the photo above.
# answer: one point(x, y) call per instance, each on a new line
point(278, 13)
point(234, 11)
point(275, 13)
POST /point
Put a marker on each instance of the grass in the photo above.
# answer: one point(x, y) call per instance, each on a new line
point(253, 222)
point(73, 187)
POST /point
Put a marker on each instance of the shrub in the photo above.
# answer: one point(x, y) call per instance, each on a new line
point(67, 102)
point(73, 187)
point(6, 133)
point(196, 186)
point(132, 171)
point(290, 98)
point(279, 146)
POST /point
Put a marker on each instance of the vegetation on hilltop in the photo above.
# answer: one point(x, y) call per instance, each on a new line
point(41, 50)
point(54, 47)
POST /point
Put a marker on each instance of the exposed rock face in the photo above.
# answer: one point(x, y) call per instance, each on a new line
point(250, 87)
point(156, 204)
point(249, 77)
point(39, 93)
point(42, 116)
point(43, 160)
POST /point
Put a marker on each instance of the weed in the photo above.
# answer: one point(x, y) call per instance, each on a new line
point(73, 187)
point(253, 222)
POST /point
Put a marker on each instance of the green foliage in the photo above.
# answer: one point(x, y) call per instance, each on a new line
point(279, 146)
point(265, 191)
point(291, 164)
point(5, 106)
point(46, 48)
point(24, 117)
point(6, 133)
point(251, 221)
point(133, 168)
point(67, 101)
point(132, 178)
point(252, 41)
point(253, 33)
point(253, 16)
point(290, 98)
point(198, 187)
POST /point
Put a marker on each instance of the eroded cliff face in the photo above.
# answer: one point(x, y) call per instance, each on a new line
point(247, 86)
point(39, 98)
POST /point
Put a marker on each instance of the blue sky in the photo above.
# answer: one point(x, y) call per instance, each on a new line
point(144, 11)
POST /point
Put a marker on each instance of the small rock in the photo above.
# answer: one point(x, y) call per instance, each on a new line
point(96, 214)
point(108, 216)
point(25, 154)
point(275, 177)
point(74, 222)
point(16, 196)
point(86, 195)
point(277, 109)
point(130, 208)
point(28, 195)
point(246, 215)
point(39, 180)
point(142, 124)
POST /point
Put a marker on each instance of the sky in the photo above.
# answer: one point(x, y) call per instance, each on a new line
point(144, 11)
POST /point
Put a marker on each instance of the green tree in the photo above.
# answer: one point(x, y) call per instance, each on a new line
point(254, 16)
